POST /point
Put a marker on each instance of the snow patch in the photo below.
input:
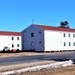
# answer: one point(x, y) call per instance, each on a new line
point(39, 67)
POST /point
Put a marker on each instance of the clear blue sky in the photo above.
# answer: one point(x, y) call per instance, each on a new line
point(16, 15)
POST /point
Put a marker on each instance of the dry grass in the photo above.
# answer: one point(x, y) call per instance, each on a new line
point(18, 54)
point(63, 71)
point(2, 55)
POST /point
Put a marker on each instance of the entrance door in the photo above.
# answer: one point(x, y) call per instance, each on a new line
point(32, 46)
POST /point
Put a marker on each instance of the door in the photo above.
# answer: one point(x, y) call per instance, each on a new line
point(32, 46)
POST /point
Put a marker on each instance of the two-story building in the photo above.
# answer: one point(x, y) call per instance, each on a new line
point(48, 38)
point(12, 40)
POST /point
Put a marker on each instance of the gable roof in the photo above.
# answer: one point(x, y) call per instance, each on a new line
point(54, 28)
point(10, 33)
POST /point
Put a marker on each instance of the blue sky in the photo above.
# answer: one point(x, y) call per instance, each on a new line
point(16, 15)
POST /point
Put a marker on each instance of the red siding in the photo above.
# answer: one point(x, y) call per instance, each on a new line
point(10, 33)
point(55, 28)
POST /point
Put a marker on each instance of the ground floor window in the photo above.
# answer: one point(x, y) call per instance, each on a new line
point(40, 42)
point(64, 43)
point(69, 44)
point(74, 44)
point(12, 45)
point(17, 45)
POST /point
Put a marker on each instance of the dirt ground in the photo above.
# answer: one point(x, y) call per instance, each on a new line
point(2, 55)
point(19, 66)
point(63, 71)
point(24, 65)
point(18, 54)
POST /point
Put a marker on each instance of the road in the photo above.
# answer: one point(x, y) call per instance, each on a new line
point(35, 58)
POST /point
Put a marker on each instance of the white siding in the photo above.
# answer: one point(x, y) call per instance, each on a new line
point(27, 40)
point(51, 40)
point(15, 42)
point(3, 41)
point(7, 41)
point(68, 39)
point(54, 40)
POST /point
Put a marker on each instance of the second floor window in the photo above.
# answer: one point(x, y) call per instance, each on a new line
point(12, 38)
point(69, 35)
point(64, 35)
point(39, 31)
point(17, 38)
point(32, 34)
point(74, 35)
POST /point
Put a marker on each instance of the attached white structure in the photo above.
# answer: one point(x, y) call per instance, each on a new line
point(48, 38)
point(12, 40)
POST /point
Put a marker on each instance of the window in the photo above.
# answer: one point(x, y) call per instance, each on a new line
point(74, 35)
point(40, 42)
point(32, 34)
point(39, 31)
point(64, 35)
point(74, 44)
point(17, 45)
point(12, 38)
point(68, 35)
point(64, 43)
point(12, 45)
point(17, 38)
point(69, 44)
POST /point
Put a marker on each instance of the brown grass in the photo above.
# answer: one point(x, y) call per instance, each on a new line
point(2, 55)
point(63, 71)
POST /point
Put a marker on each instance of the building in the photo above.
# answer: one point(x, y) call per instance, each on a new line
point(12, 40)
point(48, 38)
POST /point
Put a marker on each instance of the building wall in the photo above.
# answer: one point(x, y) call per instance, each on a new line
point(68, 39)
point(54, 40)
point(47, 40)
point(6, 40)
point(33, 43)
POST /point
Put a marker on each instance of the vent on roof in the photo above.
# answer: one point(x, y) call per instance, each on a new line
point(64, 24)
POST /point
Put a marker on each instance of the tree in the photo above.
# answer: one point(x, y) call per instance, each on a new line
point(64, 24)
